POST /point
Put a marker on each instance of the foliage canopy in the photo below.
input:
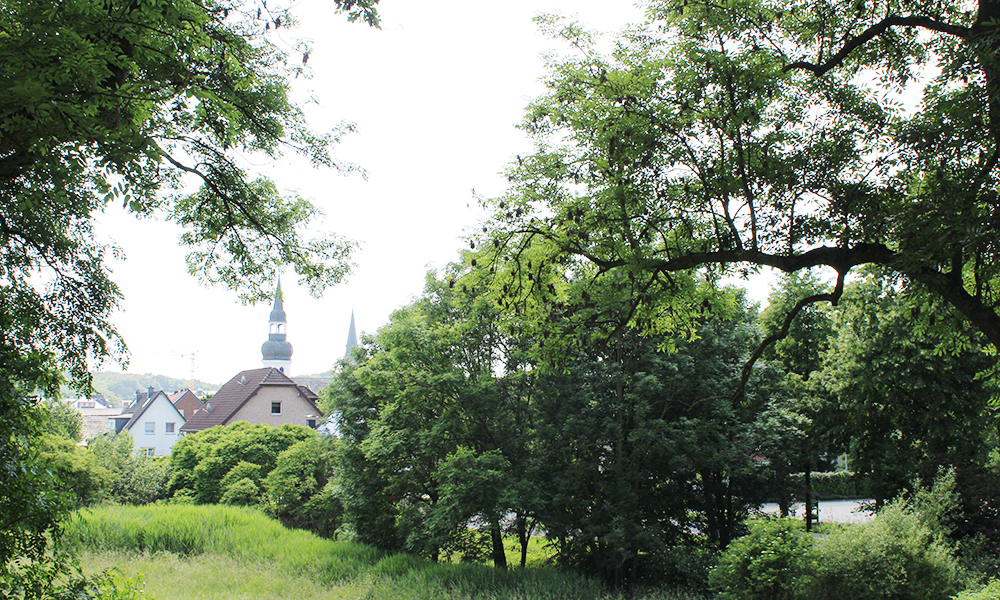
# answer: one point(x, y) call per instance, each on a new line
point(114, 102)
point(730, 136)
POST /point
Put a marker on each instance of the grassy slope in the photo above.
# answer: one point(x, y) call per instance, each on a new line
point(218, 552)
point(170, 576)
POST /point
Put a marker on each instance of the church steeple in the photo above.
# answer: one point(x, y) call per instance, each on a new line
point(352, 336)
point(276, 351)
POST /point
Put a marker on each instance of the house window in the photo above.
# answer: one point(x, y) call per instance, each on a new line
point(311, 423)
point(170, 427)
point(150, 427)
point(148, 451)
point(276, 408)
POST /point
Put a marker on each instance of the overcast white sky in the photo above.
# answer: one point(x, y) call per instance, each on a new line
point(436, 94)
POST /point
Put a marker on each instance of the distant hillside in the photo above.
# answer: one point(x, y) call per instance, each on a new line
point(120, 386)
point(314, 382)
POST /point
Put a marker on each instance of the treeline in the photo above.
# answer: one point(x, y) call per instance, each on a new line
point(120, 388)
point(639, 456)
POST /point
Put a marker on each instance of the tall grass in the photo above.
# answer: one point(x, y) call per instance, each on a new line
point(242, 533)
point(222, 552)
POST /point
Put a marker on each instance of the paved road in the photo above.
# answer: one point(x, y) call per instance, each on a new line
point(837, 511)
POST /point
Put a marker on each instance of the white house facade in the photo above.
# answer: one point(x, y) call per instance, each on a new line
point(156, 425)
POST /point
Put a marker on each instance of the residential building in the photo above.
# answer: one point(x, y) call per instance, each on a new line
point(265, 395)
point(186, 402)
point(152, 420)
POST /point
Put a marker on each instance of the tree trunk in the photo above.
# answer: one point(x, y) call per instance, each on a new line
point(783, 500)
point(523, 536)
point(809, 509)
point(499, 555)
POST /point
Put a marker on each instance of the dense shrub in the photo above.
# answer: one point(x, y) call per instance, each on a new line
point(679, 567)
point(773, 562)
point(242, 492)
point(991, 591)
point(80, 477)
point(902, 554)
point(135, 478)
point(202, 462)
point(299, 491)
point(241, 486)
point(63, 420)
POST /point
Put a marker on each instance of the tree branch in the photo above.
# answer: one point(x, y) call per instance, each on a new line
point(873, 32)
point(781, 334)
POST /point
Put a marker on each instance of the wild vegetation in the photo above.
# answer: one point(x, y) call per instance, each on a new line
point(640, 465)
point(234, 552)
point(583, 373)
point(125, 103)
point(631, 469)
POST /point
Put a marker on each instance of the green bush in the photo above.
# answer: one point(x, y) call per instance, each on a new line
point(991, 591)
point(897, 556)
point(81, 478)
point(835, 485)
point(773, 562)
point(115, 585)
point(681, 567)
point(241, 486)
point(299, 491)
point(242, 470)
point(243, 492)
point(135, 478)
point(202, 462)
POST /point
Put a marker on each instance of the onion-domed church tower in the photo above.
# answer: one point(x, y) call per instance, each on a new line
point(276, 351)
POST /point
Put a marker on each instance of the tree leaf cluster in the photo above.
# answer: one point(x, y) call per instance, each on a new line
point(450, 425)
point(723, 137)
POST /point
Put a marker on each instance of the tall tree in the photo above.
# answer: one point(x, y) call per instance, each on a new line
point(109, 103)
point(905, 406)
point(639, 449)
point(730, 136)
point(425, 413)
point(791, 429)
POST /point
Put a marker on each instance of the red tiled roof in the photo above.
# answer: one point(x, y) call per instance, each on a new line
point(236, 392)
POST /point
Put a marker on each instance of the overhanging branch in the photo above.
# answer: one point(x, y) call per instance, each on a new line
point(832, 298)
point(873, 32)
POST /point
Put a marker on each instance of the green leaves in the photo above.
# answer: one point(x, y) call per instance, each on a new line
point(242, 239)
point(718, 138)
point(118, 101)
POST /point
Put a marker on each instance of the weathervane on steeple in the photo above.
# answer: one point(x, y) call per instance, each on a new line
point(276, 351)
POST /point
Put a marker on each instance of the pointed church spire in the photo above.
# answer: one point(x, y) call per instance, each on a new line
point(352, 336)
point(278, 311)
point(276, 351)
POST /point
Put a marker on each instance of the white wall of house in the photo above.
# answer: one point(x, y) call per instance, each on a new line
point(153, 429)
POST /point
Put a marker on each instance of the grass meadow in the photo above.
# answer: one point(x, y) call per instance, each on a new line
point(186, 552)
